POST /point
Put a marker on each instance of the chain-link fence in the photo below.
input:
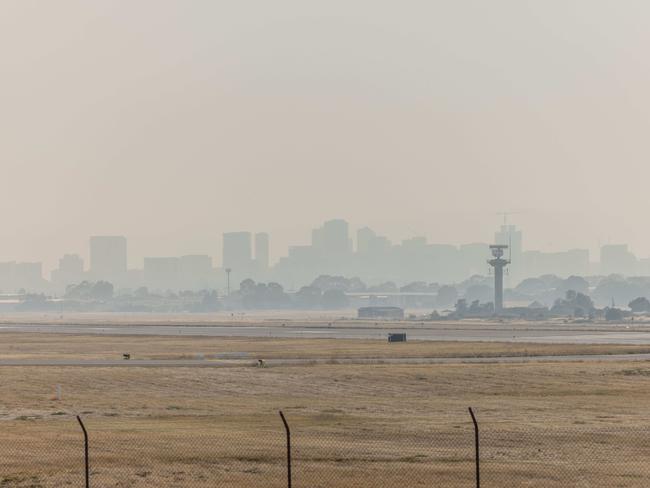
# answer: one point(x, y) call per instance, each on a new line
point(154, 452)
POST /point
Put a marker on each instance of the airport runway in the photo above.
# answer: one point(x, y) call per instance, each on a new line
point(440, 331)
point(207, 363)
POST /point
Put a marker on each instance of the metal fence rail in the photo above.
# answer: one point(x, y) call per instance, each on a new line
point(295, 453)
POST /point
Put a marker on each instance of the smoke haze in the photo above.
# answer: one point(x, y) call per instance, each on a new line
point(171, 122)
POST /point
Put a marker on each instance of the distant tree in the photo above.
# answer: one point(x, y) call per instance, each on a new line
point(579, 312)
point(86, 290)
point(79, 291)
point(574, 304)
point(387, 287)
point(335, 299)
point(551, 281)
point(415, 287)
point(585, 302)
point(308, 297)
point(576, 283)
point(482, 293)
point(570, 295)
point(34, 302)
point(102, 290)
point(356, 285)
point(475, 280)
point(618, 289)
point(247, 287)
point(275, 296)
point(640, 280)
point(263, 295)
point(447, 296)
point(209, 302)
point(640, 305)
point(434, 315)
point(327, 282)
point(531, 286)
point(142, 292)
point(254, 294)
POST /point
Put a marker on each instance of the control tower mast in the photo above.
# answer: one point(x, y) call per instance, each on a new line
point(498, 263)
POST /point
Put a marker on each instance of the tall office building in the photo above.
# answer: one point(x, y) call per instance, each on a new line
point(21, 276)
point(616, 258)
point(368, 242)
point(237, 252)
point(162, 273)
point(190, 272)
point(71, 264)
point(332, 239)
point(562, 264)
point(473, 259)
point(70, 271)
point(108, 258)
point(195, 272)
point(262, 250)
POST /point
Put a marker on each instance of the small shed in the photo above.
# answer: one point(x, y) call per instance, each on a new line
point(397, 337)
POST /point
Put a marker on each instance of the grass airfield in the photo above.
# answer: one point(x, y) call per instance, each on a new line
point(544, 424)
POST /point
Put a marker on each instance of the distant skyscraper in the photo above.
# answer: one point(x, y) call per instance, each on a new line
point(71, 271)
point(26, 276)
point(418, 242)
point(473, 258)
point(332, 239)
point(616, 258)
point(195, 272)
point(262, 250)
point(365, 238)
point(562, 264)
point(71, 264)
point(190, 272)
point(108, 258)
point(162, 273)
point(237, 252)
point(368, 242)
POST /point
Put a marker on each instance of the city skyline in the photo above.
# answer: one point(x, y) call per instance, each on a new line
point(335, 248)
point(424, 119)
point(137, 253)
point(166, 247)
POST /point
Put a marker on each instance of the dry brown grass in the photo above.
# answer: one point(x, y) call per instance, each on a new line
point(546, 424)
point(68, 346)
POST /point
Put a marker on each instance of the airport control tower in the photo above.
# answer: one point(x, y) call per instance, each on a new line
point(498, 263)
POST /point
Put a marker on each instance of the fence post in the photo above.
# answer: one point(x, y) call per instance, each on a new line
point(86, 458)
point(476, 448)
point(288, 430)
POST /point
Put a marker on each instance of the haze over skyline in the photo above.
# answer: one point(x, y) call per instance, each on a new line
point(173, 122)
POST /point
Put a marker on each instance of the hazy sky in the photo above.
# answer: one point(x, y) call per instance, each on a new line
point(171, 122)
